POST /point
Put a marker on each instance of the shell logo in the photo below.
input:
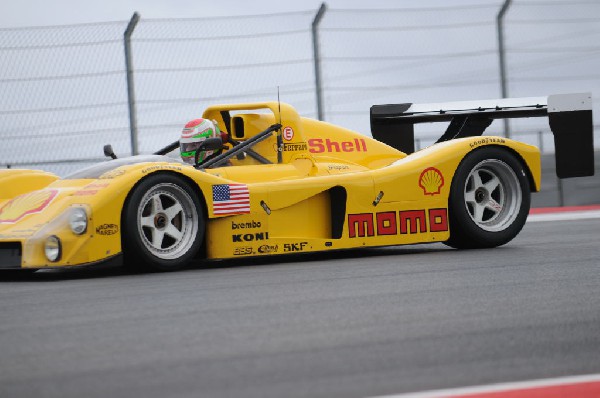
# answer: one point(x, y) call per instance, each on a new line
point(431, 181)
point(23, 205)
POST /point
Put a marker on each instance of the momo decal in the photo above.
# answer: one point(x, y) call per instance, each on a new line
point(431, 181)
point(394, 223)
point(23, 205)
point(318, 145)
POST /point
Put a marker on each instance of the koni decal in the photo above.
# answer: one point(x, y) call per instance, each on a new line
point(319, 145)
point(249, 237)
point(431, 181)
point(23, 205)
point(394, 223)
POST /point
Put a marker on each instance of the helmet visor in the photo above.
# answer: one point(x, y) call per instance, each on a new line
point(188, 151)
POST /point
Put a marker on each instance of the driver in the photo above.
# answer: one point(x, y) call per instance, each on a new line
point(193, 134)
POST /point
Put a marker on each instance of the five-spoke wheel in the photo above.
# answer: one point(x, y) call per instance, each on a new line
point(489, 199)
point(162, 222)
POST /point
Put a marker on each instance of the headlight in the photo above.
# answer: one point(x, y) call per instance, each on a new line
point(78, 220)
point(53, 248)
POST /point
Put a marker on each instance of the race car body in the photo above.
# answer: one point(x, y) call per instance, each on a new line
point(287, 184)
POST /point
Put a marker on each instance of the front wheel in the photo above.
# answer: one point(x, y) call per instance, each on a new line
point(163, 226)
point(489, 199)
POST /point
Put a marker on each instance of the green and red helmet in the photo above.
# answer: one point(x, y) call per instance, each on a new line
point(193, 134)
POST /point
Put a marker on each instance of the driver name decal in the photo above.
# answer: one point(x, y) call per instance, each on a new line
point(230, 199)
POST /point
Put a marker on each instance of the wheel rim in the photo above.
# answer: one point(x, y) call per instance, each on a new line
point(493, 195)
point(167, 221)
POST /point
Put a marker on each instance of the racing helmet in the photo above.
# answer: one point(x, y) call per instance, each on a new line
point(193, 134)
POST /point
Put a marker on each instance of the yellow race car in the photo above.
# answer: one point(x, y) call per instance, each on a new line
point(289, 184)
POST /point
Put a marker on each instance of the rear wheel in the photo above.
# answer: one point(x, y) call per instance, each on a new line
point(163, 226)
point(489, 199)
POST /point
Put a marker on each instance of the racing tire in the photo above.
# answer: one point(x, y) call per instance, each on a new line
point(489, 199)
point(163, 224)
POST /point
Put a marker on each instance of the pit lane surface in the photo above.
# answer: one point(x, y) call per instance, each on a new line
point(353, 324)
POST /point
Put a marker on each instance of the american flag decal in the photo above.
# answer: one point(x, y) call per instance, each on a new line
point(231, 199)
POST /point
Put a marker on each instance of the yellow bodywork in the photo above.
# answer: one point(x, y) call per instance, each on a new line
point(327, 188)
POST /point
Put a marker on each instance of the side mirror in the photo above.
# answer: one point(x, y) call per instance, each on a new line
point(108, 151)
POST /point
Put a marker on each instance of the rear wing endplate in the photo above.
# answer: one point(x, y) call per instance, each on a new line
point(569, 116)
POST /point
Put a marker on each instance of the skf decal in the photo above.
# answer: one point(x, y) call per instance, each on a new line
point(294, 247)
point(431, 181)
point(266, 249)
point(23, 205)
point(318, 145)
point(107, 229)
point(250, 237)
point(392, 223)
point(288, 133)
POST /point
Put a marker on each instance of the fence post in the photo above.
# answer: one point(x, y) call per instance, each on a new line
point(499, 24)
point(317, 59)
point(130, 88)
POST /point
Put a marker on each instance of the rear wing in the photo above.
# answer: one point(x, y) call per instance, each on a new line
point(569, 115)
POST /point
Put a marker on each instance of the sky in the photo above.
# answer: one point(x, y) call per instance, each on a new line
point(60, 12)
point(421, 52)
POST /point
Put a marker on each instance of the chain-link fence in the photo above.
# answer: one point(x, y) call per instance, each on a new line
point(65, 95)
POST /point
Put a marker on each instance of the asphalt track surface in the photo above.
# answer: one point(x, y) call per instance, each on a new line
point(351, 324)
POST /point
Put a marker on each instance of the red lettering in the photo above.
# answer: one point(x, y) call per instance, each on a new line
point(386, 223)
point(412, 217)
point(363, 221)
point(315, 145)
point(332, 144)
point(438, 220)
